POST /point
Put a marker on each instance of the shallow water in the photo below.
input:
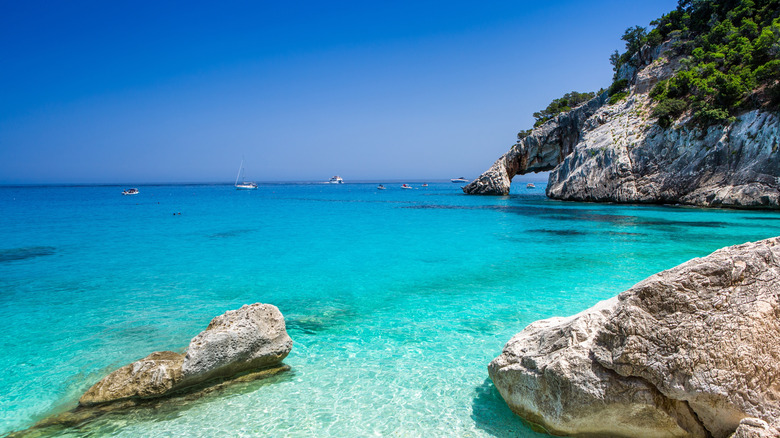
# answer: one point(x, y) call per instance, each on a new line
point(396, 300)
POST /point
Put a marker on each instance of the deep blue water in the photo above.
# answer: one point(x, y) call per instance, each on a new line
point(396, 300)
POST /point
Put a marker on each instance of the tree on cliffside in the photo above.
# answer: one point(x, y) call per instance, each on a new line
point(730, 53)
point(561, 105)
point(731, 58)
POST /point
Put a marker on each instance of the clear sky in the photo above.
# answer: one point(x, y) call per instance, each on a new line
point(133, 92)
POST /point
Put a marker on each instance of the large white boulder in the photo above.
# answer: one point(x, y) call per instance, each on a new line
point(691, 351)
point(252, 337)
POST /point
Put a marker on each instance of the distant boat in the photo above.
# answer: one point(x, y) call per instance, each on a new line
point(425, 185)
point(336, 180)
point(530, 186)
point(130, 192)
point(459, 180)
point(381, 187)
point(244, 185)
point(406, 186)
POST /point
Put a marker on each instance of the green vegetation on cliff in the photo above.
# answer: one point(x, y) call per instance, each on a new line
point(557, 106)
point(731, 58)
point(561, 105)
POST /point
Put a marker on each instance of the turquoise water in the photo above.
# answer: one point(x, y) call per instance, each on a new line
point(396, 300)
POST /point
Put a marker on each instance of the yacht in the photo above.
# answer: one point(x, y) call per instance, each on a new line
point(459, 180)
point(243, 185)
point(336, 180)
point(130, 192)
point(530, 186)
point(246, 186)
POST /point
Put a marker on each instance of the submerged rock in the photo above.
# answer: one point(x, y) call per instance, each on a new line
point(81, 416)
point(248, 339)
point(691, 351)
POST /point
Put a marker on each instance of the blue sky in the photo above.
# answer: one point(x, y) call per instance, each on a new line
point(133, 92)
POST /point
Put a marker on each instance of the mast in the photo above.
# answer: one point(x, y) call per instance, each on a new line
point(239, 170)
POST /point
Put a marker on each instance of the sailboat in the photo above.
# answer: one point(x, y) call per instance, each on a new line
point(244, 184)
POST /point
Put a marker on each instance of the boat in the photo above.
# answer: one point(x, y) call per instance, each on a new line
point(244, 185)
point(530, 186)
point(336, 180)
point(425, 185)
point(459, 180)
point(130, 192)
point(406, 186)
point(381, 187)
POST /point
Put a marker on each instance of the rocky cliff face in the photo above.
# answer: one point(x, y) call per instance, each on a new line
point(618, 153)
point(692, 351)
point(540, 151)
point(630, 159)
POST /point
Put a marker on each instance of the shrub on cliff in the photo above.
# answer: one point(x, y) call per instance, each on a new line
point(617, 87)
point(617, 97)
point(617, 91)
point(523, 134)
point(731, 53)
point(668, 110)
point(561, 105)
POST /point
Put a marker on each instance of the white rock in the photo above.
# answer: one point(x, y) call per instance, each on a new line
point(248, 339)
point(690, 351)
point(251, 337)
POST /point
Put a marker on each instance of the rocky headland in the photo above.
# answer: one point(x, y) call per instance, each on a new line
point(693, 351)
point(619, 152)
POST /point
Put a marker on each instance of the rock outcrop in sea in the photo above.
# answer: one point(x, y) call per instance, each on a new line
point(251, 338)
point(619, 153)
point(693, 351)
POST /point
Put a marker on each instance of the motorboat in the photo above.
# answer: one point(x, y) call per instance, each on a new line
point(406, 186)
point(244, 185)
point(336, 180)
point(459, 180)
point(530, 186)
point(381, 187)
point(130, 192)
point(425, 185)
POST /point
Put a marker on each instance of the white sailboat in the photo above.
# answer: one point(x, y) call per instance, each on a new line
point(244, 185)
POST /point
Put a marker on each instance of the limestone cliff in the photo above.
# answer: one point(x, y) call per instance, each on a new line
point(618, 153)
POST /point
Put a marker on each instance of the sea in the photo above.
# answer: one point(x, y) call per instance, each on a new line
point(396, 300)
